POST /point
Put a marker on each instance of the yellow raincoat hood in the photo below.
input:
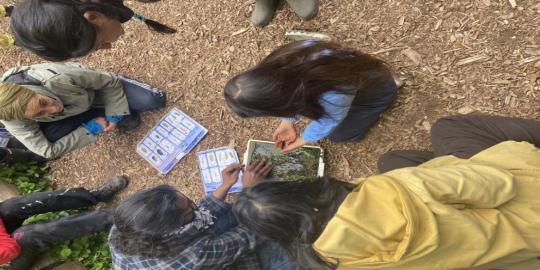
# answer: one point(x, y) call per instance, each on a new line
point(480, 213)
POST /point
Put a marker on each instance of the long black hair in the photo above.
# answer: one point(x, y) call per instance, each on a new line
point(143, 219)
point(293, 214)
point(291, 79)
point(57, 30)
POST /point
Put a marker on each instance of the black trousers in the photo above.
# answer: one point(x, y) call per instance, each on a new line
point(33, 238)
point(463, 136)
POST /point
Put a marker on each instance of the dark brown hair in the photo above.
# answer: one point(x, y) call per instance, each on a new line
point(291, 79)
point(305, 207)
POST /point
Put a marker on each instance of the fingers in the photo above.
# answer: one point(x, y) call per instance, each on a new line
point(259, 166)
point(109, 127)
point(266, 169)
point(289, 148)
point(233, 167)
point(253, 165)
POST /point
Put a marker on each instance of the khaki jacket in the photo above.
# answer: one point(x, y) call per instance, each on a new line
point(480, 213)
point(79, 88)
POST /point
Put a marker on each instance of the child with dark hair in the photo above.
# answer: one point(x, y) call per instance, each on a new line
point(471, 204)
point(161, 228)
point(55, 108)
point(59, 30)
point(264, 10)
point(342, 92)
point(21, 244)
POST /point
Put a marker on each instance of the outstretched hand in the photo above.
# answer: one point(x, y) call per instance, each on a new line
point(284, 135)
point(299, 142)
point(230, 174)
point(230, 177)
point(255, 173)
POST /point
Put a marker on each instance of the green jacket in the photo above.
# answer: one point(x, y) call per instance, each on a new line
point(79, 88)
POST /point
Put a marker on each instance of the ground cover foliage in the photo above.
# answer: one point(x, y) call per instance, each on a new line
point(91, 250)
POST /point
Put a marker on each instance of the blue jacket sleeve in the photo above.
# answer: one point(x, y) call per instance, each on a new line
point(93, 127)
point(336, 106)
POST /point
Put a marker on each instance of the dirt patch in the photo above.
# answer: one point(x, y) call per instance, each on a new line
point(470, 55)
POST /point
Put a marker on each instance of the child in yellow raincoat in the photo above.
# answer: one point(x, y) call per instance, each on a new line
point(480, 211)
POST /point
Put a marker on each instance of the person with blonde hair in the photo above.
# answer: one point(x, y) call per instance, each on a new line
point(54, 108)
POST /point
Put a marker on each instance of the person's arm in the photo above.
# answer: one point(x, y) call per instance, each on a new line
point(106, 84)
point(470, 185)
point(9, 249)
point(226, 248)
point(336, 106)
point(253, 175)
point(29, 134)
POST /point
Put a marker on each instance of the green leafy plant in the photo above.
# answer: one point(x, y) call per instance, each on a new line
point(27, 177)
point(91, 250)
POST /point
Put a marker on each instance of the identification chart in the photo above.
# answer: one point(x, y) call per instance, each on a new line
point(170, 140)
point(212, 162)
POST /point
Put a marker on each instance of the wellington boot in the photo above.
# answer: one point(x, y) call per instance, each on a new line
point(106, 192)
point(264, 12)
point(306, 9)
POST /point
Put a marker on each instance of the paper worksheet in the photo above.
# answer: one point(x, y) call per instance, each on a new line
point(211, 164)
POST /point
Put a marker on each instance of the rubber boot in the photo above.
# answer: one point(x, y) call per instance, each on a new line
point(107, 191)
point(306, 9)
point(12, 156)
point(263, 12)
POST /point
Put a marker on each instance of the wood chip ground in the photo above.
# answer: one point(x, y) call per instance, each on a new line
point(460, 56)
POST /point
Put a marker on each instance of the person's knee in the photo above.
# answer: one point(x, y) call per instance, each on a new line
point(24, 237)
point(445, 125)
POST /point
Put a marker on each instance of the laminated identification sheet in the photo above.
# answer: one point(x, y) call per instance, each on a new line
point(212, 162)
point(170, 140)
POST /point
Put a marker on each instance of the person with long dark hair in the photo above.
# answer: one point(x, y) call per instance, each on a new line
point(475, 207)
point(59, 30)
point(341, 91)
point(161, 228)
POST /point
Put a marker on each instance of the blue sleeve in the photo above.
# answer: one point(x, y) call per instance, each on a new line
point(114, 119)
point(93, 127)
point(336, 106)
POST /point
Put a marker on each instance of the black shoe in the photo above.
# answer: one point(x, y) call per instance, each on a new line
point(106, 192)
point(12, 156)
point(130, 122)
